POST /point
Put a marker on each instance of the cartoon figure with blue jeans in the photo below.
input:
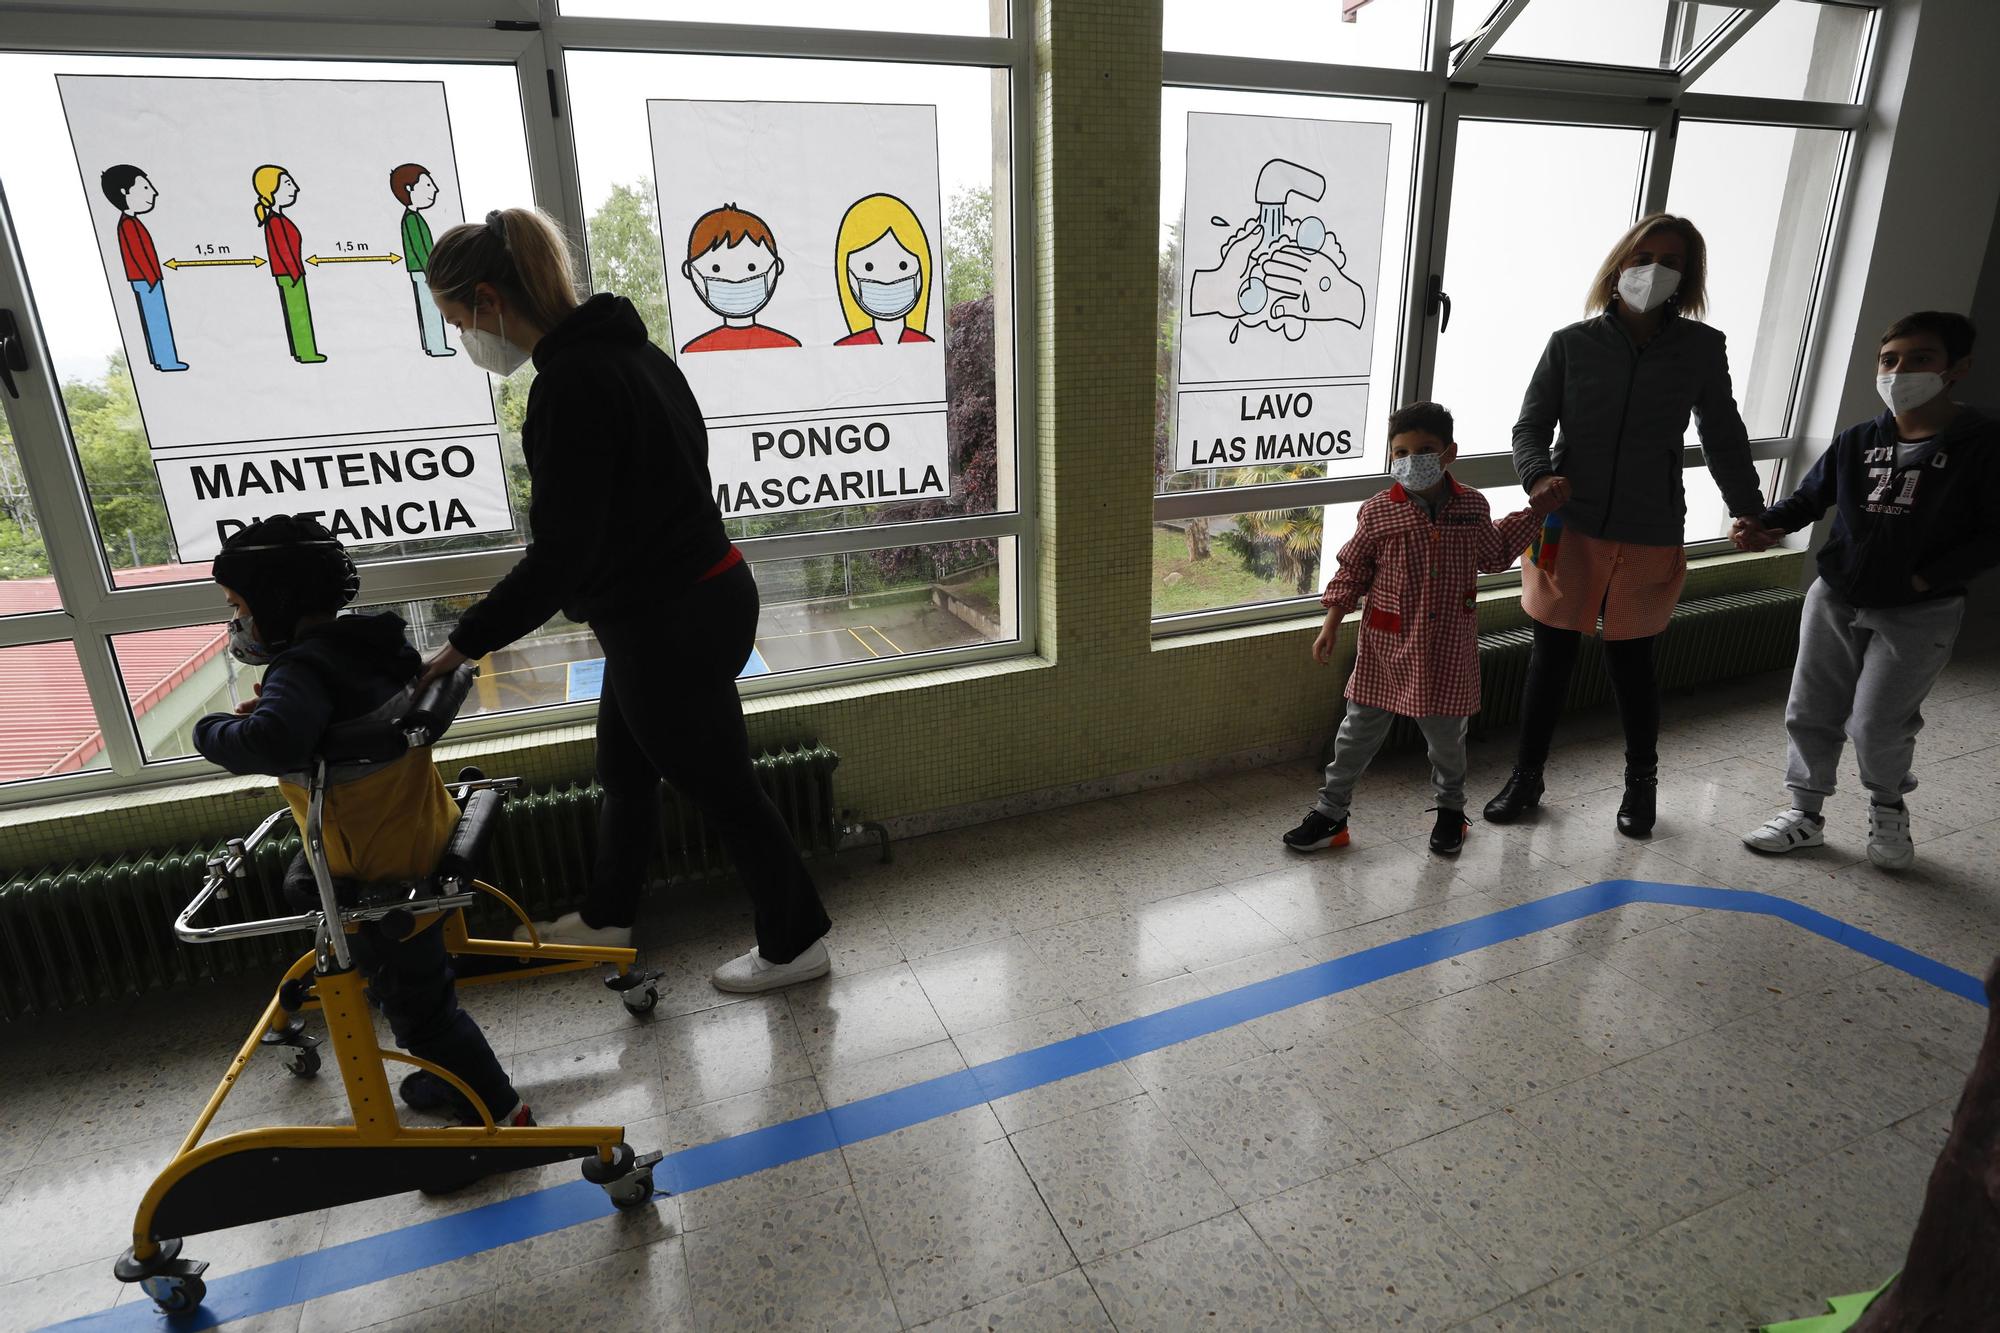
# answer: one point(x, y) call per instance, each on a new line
point(132, 193)
point(416, 191)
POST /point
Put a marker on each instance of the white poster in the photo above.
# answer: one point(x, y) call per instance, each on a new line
point(804, 251)
point(1280, 253)
point(265, 241)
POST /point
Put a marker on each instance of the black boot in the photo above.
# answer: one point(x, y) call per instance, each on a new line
point(1522, 792)
point(1639, 808)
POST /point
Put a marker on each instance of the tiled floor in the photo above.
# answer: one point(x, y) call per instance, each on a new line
point(1654, 1118)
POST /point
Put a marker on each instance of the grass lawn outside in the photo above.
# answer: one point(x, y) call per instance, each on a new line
point(1204, 585)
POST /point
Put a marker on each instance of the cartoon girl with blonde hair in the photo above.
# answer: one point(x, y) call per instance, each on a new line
point(884, 260)
point(276, 192)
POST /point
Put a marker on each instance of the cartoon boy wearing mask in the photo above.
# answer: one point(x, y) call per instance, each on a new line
point(734, 266)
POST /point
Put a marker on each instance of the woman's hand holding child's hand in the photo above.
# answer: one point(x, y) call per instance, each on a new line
point(1550, 494)
point(1749, 535)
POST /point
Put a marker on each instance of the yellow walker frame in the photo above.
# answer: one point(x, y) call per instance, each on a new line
point(259, 1174)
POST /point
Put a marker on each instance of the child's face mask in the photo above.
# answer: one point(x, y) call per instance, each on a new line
point(1910, 390)
point(244, 645)
point(1418, 472)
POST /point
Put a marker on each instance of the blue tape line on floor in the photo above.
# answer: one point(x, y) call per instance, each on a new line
point(427, 1244)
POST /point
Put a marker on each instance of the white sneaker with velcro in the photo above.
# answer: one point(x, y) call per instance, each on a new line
point(1889, 842)
point(1787, 832)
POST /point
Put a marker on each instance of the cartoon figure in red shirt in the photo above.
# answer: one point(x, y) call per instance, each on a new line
point(276, 192)
point(734, 266)
point(884, 262)
point(132, 193)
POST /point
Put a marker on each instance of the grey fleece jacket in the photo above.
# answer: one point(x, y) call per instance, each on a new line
point(1616, 413)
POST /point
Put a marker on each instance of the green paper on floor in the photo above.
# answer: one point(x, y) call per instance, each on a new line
point(1844, 1313)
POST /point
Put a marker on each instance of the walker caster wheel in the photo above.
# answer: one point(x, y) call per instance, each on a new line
point(175, 1294)
point(303, 1062)
point(640, 1003)
point(634, 1191)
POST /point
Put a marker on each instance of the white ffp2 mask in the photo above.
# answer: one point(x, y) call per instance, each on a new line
point(1418, 472)
point(1910, 390)
point(491, 352)
point(1647, 286)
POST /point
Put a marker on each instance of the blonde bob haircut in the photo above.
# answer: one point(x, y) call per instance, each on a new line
point(1690, 298)
point(867, 222)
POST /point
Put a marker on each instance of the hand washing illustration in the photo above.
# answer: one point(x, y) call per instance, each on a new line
point(1281, 270)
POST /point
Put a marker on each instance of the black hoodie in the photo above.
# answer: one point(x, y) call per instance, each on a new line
point(331, 672)
point(1938, 518)
point(622, 508)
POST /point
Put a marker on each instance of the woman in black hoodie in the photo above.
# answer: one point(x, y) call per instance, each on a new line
point(624, 534)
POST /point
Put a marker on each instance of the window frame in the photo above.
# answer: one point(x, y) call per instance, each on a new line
point(1517, 90)
point(535, 45)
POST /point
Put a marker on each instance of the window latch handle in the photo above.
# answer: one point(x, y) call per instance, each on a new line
point(13, 352)
point(1440, 301)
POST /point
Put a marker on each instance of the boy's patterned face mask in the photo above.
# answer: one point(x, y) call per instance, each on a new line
point(244, 646)
point(1418, 472)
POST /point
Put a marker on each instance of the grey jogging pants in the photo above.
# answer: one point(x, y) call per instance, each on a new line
point(1361, 734)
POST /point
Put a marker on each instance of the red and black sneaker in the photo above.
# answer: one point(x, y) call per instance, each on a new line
point(1316, 831)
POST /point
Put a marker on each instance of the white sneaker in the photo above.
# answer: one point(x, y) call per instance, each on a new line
point(1787, 832)
point(751, 974)
point(1889, 844)
point(569, 928)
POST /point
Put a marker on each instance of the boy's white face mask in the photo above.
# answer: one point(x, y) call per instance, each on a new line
point(1418, 472)
point(1910, 390)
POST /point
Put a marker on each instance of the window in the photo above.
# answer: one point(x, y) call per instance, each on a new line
point(1802, 48)
point(1373, 32)
point(864, 570)
point(1517, 269)
point(1640, 34)
point(1763, 198)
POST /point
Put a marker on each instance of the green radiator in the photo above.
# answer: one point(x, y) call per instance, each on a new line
point(89, 934)
point(1708, 639)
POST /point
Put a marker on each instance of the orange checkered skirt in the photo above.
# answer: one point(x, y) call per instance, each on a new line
point(1570, 581)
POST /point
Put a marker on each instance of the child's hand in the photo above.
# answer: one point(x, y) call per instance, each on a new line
point(1749, 535)
point(1323, 644)
point(249, 705)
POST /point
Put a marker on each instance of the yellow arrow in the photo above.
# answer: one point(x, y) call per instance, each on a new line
point(258, 261)
point(354, 259)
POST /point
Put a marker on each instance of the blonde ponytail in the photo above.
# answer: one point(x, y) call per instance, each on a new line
point(521, 251)
point(265, 180)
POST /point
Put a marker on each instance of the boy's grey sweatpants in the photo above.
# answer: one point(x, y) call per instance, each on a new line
point(1863, 673)
point(1362, 732)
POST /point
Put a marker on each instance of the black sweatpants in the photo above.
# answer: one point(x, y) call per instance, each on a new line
point(670, 710)
point(1629, 663)
point(411, 982)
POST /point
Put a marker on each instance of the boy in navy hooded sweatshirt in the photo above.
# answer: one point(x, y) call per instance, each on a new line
point(1914, 493)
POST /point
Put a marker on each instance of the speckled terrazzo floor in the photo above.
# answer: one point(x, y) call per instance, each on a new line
point(1655, 1118)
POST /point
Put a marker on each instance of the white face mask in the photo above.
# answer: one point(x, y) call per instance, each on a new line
point(491, 352)
point(1909, 391)
point(1647, 286)
point(1418, 472)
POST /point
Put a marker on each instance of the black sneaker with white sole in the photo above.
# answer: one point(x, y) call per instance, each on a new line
point(1448, 834)
point(1316, 831)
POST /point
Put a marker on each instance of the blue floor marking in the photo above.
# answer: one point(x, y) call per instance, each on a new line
point(410, 1249)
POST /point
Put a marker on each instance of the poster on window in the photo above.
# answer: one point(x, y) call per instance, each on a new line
point(266, 243)
point(805, 267)
point(1280, 252)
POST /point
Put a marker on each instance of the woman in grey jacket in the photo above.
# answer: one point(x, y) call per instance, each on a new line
point(1606, 413)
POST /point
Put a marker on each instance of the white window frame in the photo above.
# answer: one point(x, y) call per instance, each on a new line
point(1525, 90)
point(535, 45)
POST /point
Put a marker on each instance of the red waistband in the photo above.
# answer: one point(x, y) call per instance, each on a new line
point(723, 566)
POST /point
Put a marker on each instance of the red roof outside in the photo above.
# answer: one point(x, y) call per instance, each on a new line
point(47, 725)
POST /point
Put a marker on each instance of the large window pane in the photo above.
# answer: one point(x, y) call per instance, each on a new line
point(1534, 209)
point(1374, 32)
point(1762, 196)
point(864, 606)
point(1641, 34)
point(971, 18)
point(46, 723)
point(1707, 515)
point(25, 581)
point(610, 94)
point(1801, 48)
point(1323, 375)
point(215, 307)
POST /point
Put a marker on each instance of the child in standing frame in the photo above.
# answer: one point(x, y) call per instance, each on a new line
point(1416, 555)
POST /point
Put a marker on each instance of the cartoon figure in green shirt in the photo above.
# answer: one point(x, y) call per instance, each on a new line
point(416, 191)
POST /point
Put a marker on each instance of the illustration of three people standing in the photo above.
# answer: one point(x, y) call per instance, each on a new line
point(880, 252)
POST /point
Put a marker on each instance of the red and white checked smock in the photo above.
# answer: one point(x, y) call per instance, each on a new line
point(1418, 644)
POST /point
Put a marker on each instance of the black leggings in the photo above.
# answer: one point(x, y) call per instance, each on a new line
point(669, 709)
point(1629, 663)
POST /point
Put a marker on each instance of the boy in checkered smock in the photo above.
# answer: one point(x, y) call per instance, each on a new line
point(1416, 555)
